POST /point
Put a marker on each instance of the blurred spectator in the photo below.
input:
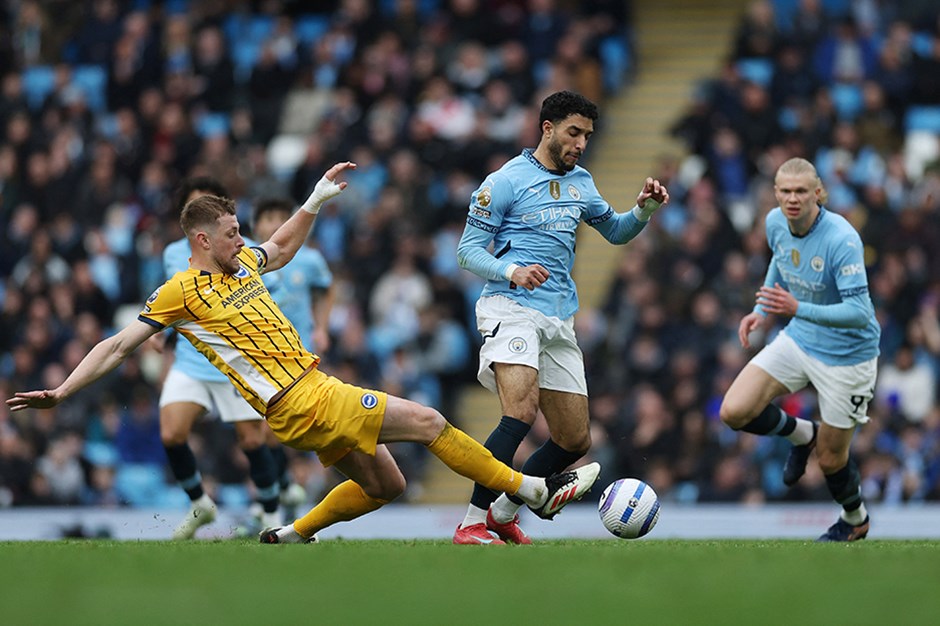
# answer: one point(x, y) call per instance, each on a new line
point(60, 472)
point(907, 386)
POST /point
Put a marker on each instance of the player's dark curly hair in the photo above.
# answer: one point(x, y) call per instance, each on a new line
point(197, 183)
point(561, 104)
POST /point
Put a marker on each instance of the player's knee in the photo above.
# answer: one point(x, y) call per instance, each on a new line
point(579, 443)
point(428, 423)
point(526, 412)
point(733, 414)
point(386, 487)
point(831, 462)
point(173, 436)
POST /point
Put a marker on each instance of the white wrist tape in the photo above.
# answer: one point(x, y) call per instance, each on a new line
point(645, 212)
point(509, 270)
point(323, 191)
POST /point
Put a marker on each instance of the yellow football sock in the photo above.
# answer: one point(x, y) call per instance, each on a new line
point(469, 458)
point(344, 502)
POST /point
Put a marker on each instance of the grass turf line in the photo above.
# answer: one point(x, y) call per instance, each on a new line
point(432, 582)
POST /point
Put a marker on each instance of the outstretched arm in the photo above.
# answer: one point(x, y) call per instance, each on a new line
point(286, 240)
point(103, 358)
point(619, 228)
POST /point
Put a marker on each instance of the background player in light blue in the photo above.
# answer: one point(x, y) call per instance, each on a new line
point(303, 291)
point(817, 278)
point(529, 211)
point(302, 288)
point(192, 388)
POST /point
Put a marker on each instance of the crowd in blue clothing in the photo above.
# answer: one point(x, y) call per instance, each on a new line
point(107, 104)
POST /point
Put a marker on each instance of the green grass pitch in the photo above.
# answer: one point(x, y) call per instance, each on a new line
point(106, 582)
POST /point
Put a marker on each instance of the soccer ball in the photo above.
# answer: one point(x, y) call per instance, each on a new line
point(629, 508)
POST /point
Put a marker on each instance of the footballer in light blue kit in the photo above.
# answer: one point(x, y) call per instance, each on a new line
point(520, 236)
point(817, 279)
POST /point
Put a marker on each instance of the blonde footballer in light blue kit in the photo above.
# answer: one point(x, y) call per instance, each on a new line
point(817, 278)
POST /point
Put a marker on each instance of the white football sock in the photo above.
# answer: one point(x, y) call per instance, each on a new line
point(533, 491)
point(855, 517)
point(475, 515)
point(287, 534)
point(504, 509)
point(802, 434)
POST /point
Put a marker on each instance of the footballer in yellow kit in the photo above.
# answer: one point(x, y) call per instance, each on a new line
point(234, 322)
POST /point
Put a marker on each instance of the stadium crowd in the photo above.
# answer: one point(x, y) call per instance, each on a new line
point(106, 105)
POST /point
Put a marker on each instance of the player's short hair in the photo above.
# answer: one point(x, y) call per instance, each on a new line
point(197, 183)
point(271, 205)
point(204, 211)
point(801, 167)
point(562, 104)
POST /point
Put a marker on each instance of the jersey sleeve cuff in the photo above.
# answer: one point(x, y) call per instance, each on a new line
point(261, 255)
point(154, 323)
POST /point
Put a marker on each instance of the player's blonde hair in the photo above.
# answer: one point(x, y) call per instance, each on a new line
point(203, 212)
point(800, 167)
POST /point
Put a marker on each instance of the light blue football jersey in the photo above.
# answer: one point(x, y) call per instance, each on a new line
point(531, 215)
point(825, 267)
point(186, 358)
point(290, 287)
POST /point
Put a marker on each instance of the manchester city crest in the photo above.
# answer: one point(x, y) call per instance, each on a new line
point(573, 192)
point(517, 345)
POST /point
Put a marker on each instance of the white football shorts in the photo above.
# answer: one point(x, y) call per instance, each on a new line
point(220, 395)
point(513, 333)
point(844, 391)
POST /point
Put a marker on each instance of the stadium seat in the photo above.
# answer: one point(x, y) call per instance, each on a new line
point(234, 496)
point(847, 99)
point(139, 484)
point(922, 44)
point(100, 453)
point(756, 70)
point(38, 82)
point(425, 7)
point(309, 28)
point(922, 118)
point(616, 62)
point(92, 81)
point(212, 124)
point(176, 7)
point(837, 8)
point(784, 12)
point(245, 55)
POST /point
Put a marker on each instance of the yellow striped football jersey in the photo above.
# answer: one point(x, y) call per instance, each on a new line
point(234, 322)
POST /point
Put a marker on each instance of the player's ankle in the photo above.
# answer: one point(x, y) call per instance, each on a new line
point(475, 515)
point(504, 510)
point(533, 491)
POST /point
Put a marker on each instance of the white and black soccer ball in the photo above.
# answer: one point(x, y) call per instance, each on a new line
point(629, 508)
